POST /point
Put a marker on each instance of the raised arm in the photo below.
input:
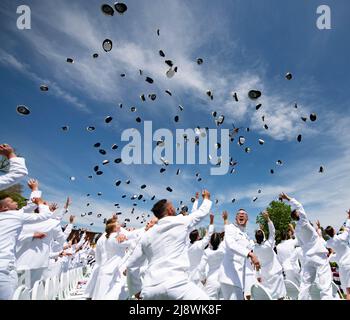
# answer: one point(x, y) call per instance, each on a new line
point(195, 203)
point(195, 217)
point(296, 204)
point(17, 169)
point(35, 193)
point(69, 227)
point(272, 230)
point(205, 241)
point(44, 213)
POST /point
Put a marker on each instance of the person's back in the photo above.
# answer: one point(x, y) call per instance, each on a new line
point(268, 258)
point(339, 243)
point(101, 255)
point(34, 253)
point(10, 228)
point(286, 254)
point(214, 260)
point(164, 247)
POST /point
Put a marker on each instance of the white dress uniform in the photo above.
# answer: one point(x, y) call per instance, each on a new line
point(271, 270)
point(195, 253)
point(288, 257)
point(209, 268)
point(55, 261)
point(235, 265)
point(340, 244)
point(33, 254)
point(11, 224)
point(315, 259)
point(164, 246)
point(111, 283)
point(17, 171)
point(100, 259)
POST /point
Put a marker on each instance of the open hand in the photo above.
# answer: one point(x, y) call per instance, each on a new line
point(206, 194)
point(33, 185)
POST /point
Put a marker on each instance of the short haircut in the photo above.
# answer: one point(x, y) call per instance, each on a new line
point(259, 236)
point(159, 208)
point(293, 213)
point(4, 196)
point(215, 240)
point(330, 231)
point(194, 236)
point(109, 229)
point(241, 210)
point(284, 235)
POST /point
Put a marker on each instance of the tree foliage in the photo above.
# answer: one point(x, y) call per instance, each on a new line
point(279, 213)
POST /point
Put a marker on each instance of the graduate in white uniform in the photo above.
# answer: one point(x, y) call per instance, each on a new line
point(315, 254)
point(270, 274)
point(340, 244)
point(166, 277)
point(111, 283)
point(100, 259)
point(196, 250)
point(209, 266)
point(57, 252)
point(239, 259)
point(135, 249)
point(33, 245)
point(17, 168)
point(287, 254)
point(11, 224)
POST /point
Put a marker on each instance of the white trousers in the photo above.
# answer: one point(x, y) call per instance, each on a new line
point(230, 292)
point(309, 273)
point(212, 288)
point(91, 284)
point(274, 284)
point(293, 276)
point(344, 274)
point(174, 290)
point(8, 284)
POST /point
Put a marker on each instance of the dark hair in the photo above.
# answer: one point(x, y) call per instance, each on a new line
point(215, 240)
point(109, 229)
point(259, 236)
point(159, 208)
point(330, 231)
point(284, 235)
point(293, 214)
point(194, 236)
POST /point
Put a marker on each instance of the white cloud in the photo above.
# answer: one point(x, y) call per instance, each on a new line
point(9, 60)
point(182, 36)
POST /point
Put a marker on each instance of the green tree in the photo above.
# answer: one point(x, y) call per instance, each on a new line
point(279, 213)
point(14, 192)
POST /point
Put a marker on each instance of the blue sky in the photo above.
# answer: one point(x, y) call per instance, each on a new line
point(245, 45)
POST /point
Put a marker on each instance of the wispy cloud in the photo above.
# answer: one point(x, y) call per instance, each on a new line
point(11, 61)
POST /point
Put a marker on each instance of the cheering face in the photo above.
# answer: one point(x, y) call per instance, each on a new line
point(242, 218)
point(8, 204)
